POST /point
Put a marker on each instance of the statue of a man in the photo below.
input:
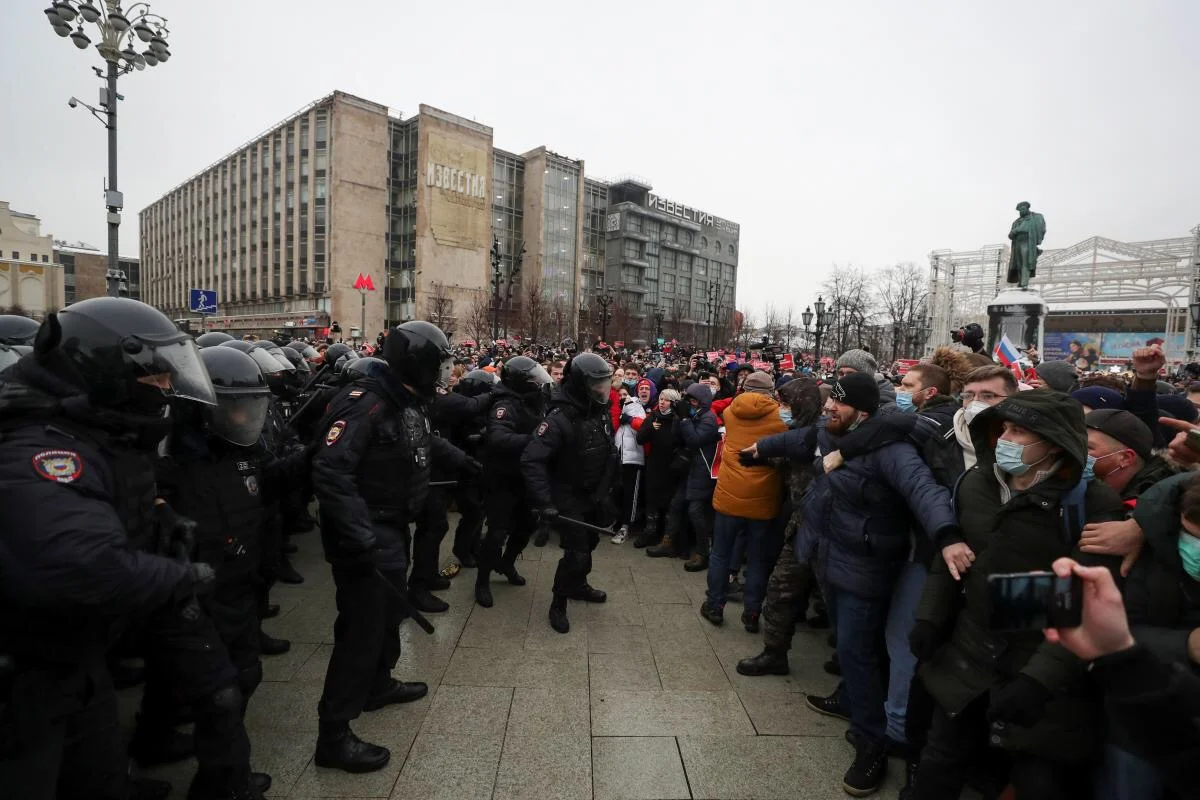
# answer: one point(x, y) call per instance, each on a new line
point(1026, 234)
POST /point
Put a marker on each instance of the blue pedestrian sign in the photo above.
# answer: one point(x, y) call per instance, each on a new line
point(202, 301)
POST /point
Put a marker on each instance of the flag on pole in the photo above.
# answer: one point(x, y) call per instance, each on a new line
point(1006, 353)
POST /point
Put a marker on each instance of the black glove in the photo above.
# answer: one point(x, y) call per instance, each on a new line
point(924, 639)
point(472, 467)
point(626, 419)
point(548, 515)
point(749, 459)
point(177, 535)
point(682, 408)
point(1021, 701)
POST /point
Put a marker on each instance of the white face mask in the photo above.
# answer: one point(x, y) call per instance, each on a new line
point(972, 411)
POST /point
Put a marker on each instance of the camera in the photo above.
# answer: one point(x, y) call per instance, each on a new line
point(956, 336)
point(72, 102)
point(1024, 601)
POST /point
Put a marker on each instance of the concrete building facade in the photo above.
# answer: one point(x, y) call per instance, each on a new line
point(30, 276)
point(282, 227)
point(84, 268)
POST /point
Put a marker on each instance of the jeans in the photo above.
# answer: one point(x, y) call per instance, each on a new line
point(860, 624)
point(1125, 776)
point(761, 538)
point(906, 594)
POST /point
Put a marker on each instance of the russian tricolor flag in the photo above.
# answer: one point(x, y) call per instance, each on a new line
point(1006, 353)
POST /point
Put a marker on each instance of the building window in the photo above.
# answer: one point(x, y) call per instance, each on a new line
point(45, 258)
point(717, 246)
point(633, 249)
point(631, 276)
point(668, 233)
point(685, 262)
point(685, 286)
point(701, 266)
point(700, 290)
point(16, 255)
point(732, 252)
point(668, 283)
point(653, 228)
point(704, 242)
point(633, 223)
point(685, 237)
point(729, 272)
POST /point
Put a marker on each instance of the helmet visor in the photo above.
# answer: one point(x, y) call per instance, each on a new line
point(539, 377)
point(285, 365)
point(444, 371)
point(266, 362)
point(598, 389)
point(173, 364)
point(239, 418)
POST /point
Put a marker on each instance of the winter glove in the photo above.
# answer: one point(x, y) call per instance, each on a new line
point(177, 535)
point(1021, 701)
point(924, 639)
point(626, 419)
point(682, 408)
point(749, 459)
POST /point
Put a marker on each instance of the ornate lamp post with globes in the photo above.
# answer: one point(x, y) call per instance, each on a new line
point(116, 28)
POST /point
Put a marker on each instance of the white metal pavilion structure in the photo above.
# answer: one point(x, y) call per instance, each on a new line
point(1096, 274)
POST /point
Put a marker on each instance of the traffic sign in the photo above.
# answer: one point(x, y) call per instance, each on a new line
point(202, 301)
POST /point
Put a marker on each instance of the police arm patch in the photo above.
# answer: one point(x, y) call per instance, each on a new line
point(335, 432)
point(500, 412)
point(541, 429)
point(60, 466)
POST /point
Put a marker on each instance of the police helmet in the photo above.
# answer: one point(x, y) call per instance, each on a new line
point(524, 375)
point(336, 351)
point(362, 367)
point(212, 339)
point(295, 358)
point(588, 379)
point(266, 362)
point(419, 354)
point(475, 383)
point(126, 354)
point(242, 395)
point(15, 329)
point(344, 360)
point(276, 352)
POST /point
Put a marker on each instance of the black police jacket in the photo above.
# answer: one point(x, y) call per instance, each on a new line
point(72, 484)
point(510, 427)
point(219, 486)
point(459, 420)
point(371, 470)
point(571, 460)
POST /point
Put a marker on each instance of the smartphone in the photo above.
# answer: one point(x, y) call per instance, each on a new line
point(1030, 601)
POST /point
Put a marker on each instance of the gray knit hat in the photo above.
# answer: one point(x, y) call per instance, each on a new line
point(1058, 375)
point(859, 361)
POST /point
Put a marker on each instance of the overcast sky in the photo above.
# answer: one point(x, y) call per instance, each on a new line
point(861, 133)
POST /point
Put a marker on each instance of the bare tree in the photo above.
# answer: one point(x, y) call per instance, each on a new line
point(620, 326)
point(479, 318)
point(677, 312)
point(558, 317)
point(849, 303)
point(902, 290)
point(440, 309)
point(534, 308)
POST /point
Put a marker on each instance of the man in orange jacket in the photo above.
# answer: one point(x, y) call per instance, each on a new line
point(747, 501)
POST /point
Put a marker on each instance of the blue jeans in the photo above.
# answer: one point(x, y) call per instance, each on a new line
point(762, 546)
point(860, 626)
point(906, 594)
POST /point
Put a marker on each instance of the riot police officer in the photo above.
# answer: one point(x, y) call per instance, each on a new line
point(468, 495)
point(451, 414)
point(370, 471)
point(568, 467)
point(78, 418)
point(519, 407)
point(210, 660)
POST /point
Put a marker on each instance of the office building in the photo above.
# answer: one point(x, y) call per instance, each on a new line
point(282, 228)
point(85, 267)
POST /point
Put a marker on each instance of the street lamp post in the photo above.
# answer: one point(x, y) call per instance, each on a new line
point(822, 322)
point(604, 300)
point(660, 314)
point(495, 288)
point(117, 28)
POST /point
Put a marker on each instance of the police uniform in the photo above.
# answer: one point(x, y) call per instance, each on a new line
point(370, 471)
point(569, 465)
point(68, 578)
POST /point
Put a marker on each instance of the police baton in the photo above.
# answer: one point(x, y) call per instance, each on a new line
point(316, 377)
point(587, 526)
point(405, 606)
point(436, 484)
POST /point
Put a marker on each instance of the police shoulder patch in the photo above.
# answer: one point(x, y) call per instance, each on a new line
point(335, 432)
point(355, 394)
point(60, 466)
point(541, 429)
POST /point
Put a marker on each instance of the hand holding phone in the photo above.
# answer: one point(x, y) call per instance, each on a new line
point(1028, 601)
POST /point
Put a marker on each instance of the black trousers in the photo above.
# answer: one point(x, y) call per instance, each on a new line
point(576, 562)
point(58, 735)
point(188, 663)
point(366, 639)
point(431, 527)
point(633, 500)
point(510, 523)
point(469, 499)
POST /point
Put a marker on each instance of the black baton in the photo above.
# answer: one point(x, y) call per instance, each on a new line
point(405, 606)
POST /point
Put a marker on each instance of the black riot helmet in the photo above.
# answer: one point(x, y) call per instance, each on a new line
point(362, 367)
point(15, 329)
point(306, 351)
point(475, 383)
point(266, 362)
point(212, 339)
point(336, 351)
point(588, 379)
point(124, 354)
point(8, 356)
point(297, 360)
point(419, 354)
point(524, 375)
point(242, 395)
point(344, 360)
point(276, 352)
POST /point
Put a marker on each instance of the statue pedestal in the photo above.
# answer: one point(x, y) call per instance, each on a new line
point(1019, 313)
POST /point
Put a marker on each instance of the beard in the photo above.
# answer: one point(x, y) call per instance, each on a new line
point(837, 425)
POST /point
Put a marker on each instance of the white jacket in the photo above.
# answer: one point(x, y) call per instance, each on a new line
point(626, 436)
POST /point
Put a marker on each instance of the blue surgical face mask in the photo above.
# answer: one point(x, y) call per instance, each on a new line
point(785, 414)
point(1010, 457)
point(904, 401)
point(1189, 552)
point(692, 411)
point(1089, 469)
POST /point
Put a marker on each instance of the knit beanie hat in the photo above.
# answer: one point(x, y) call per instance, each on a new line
point(859, 361)
point(1058, 375)
point(759, 382)
point(1097, 397)
point(857, 390)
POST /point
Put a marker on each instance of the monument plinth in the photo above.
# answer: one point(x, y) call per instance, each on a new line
point(1018, 313)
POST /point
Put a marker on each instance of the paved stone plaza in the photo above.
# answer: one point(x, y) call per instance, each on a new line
point(639, 700)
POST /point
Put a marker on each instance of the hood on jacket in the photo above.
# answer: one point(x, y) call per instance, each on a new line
point(752, 405)
point(702, 392)
point(657, 376)
point(804, 396)
point(1052, 415)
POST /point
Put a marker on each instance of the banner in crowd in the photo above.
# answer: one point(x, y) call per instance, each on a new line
point(1087, 349)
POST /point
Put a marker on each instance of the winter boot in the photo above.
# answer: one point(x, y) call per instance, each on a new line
point(769, 662)
point(558, 614)
point(339, 748)
point(664, 549)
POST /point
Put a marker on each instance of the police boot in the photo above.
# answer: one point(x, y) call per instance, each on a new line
point(396, 692)
point(425, 601)
point(224, 784)
point(270, 646)
point(541, 537)
point(509, 570)
point(151, 747)
point(770, 661)
point(589, 594)
point(649, 534)
point(339, 748)
point(288, 574)
point(558, 614)
point(483, 591)
point(664, 549)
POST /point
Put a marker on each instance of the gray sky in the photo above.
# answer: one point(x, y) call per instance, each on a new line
point(860, 133)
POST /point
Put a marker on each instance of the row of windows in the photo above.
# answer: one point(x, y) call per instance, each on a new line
point(657, 230)
point(32, 257)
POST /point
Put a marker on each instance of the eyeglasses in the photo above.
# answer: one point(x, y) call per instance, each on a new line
point(983, 397)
